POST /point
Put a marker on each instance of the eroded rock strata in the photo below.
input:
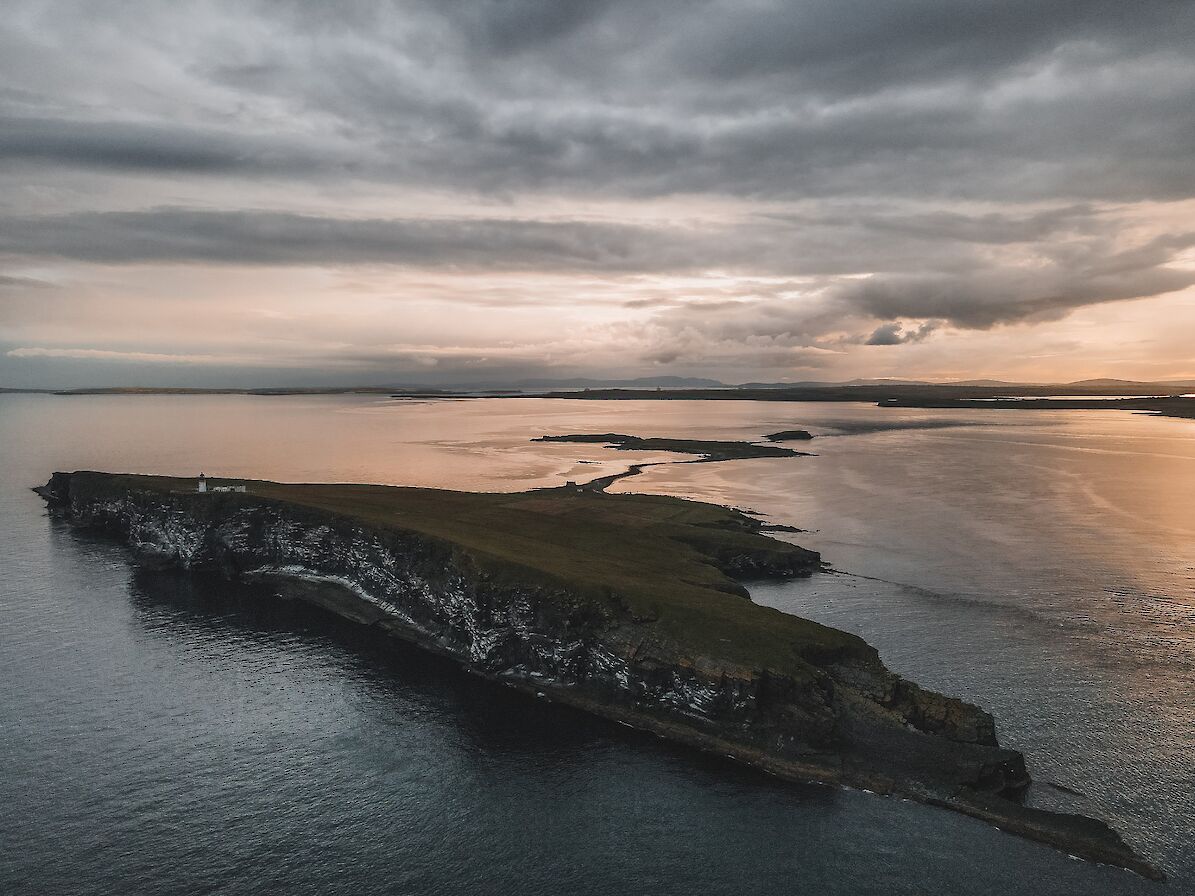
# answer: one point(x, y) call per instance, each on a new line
point(567, 615)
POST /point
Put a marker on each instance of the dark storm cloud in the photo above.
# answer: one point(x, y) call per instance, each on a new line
point(850, 45)
point(275, 238)
point(991, 228)
point(511, 26)
point(984, 296)
point(894, 333)
point(826, 46)
point(826, 244)
point(864, 170)
point(911, 272)
point(1086, 100)
point(147, 148)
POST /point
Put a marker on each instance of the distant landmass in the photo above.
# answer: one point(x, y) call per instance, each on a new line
point(527, 385)
point(1158, 399)
point(643, 382)
point(695, 388)
point(1111, 386)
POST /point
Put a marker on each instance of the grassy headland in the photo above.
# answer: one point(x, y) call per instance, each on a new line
point(667, 560)
point(626, 606)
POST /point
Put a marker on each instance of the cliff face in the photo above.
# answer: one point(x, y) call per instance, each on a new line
point(842, 717)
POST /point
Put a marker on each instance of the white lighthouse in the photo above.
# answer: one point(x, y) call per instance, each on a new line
point(202, 483)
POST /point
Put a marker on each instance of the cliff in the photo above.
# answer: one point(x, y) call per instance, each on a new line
point(623, 605)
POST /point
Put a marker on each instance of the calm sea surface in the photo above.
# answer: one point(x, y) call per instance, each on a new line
point(161, 734)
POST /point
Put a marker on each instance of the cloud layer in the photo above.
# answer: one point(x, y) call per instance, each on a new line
point(763, 188)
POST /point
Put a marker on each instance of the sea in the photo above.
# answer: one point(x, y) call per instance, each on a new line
point(170, 734)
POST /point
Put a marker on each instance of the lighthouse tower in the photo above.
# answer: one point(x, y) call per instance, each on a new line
point(202, 483)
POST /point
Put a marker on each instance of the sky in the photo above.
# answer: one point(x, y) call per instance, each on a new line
point(266, 193)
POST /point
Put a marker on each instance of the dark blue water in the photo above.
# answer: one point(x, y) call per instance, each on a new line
point(167, 734)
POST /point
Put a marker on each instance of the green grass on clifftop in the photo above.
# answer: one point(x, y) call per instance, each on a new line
point(652, 555)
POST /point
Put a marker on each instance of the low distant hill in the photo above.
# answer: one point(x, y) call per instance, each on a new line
point(817, 390)
point(823, 384)
point(1139, 385)
point(643, 382)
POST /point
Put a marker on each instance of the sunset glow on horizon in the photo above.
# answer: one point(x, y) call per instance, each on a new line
point(416, 192)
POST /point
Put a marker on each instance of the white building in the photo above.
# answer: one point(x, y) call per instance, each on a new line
point(203, 487)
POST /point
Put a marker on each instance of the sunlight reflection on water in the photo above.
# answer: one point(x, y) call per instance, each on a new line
point(175, 735)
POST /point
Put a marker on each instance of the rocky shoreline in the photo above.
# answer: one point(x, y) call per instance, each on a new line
point(702, 666)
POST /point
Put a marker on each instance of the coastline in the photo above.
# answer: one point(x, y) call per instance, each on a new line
point(929, 397)
point(339, 592)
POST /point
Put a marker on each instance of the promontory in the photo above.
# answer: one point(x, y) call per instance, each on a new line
point(627, 606)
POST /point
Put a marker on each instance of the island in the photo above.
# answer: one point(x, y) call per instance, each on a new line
point(631, 607)
point(706, 449)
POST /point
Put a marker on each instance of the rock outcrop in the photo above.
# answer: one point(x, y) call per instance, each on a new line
point(831, 712)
